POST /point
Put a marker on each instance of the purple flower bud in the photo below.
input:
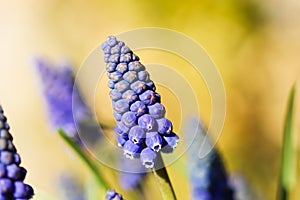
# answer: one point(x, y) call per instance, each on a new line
point(113, 195)
point(157, 110)
point(6, 186)
point(121, 140)
point(130, 96)
point(139, 108)
point(117, 48)
point(106, 57)
point(122, 86)
point(121, 128)
point(3, 144)
point(15, 172)
point(111, 84)
point(115, 76)
point(125, 50)
point(5, 134)
point(110, 67)
point(117, 116)
point(131, 150)
point(115, 95)
point(154, 141)
point(122, 68)
point(136, 66)
point(17, 158)
point(164, 126)
point(151, 86)
point(106, 49)
point(137, 134)
point(144, 76)
point(22, 190)
point(135, 57)
point(121, 106)
point(146, 122)
point(171, 140)
point(130, 76)
point(149, 97)
point(148, 157)
point(2, 170)
point(6, 157)
point(125, 58)
point(129, 119)
point(138, 87)
point(114, 58)
point(111, 41)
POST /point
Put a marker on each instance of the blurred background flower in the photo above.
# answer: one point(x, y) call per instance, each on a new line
point(207, 175)
point(255, 45)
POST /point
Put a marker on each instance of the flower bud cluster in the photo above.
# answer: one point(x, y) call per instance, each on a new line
point(11, 174)
point(142, 128)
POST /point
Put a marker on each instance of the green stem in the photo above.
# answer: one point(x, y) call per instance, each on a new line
point(163, 180)
point(80, 152)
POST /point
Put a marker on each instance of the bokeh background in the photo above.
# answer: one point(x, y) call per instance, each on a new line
point(255, 45)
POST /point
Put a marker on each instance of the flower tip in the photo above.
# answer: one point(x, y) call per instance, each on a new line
point(148, 157)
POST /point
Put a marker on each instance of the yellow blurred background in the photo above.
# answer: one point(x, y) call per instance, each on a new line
point(255, 45)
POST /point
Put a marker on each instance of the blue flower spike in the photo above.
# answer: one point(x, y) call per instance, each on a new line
point(11, 174)
point(113, 195)
point(63, 100)
point(142, 129)
point(207, 174)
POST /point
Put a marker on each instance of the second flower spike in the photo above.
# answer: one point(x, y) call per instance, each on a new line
point(12, 175)
point(142, 129)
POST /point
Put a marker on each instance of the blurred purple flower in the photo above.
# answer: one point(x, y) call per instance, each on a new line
point(207, 175)
point(11, 174)
point(141, 124)
point(63, 100)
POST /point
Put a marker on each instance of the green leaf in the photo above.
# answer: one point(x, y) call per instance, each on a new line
point(93, 192)
point(163, 180)
point(289, 151)
point(85, 158)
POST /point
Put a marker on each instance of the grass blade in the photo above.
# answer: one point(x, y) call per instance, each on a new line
point(85, 158)
point(289, 152)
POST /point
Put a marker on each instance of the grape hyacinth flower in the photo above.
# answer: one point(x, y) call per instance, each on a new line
point(63, 108)
point(208, 177)
point(142, 128)
point(113, 195)
point(11, 174)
